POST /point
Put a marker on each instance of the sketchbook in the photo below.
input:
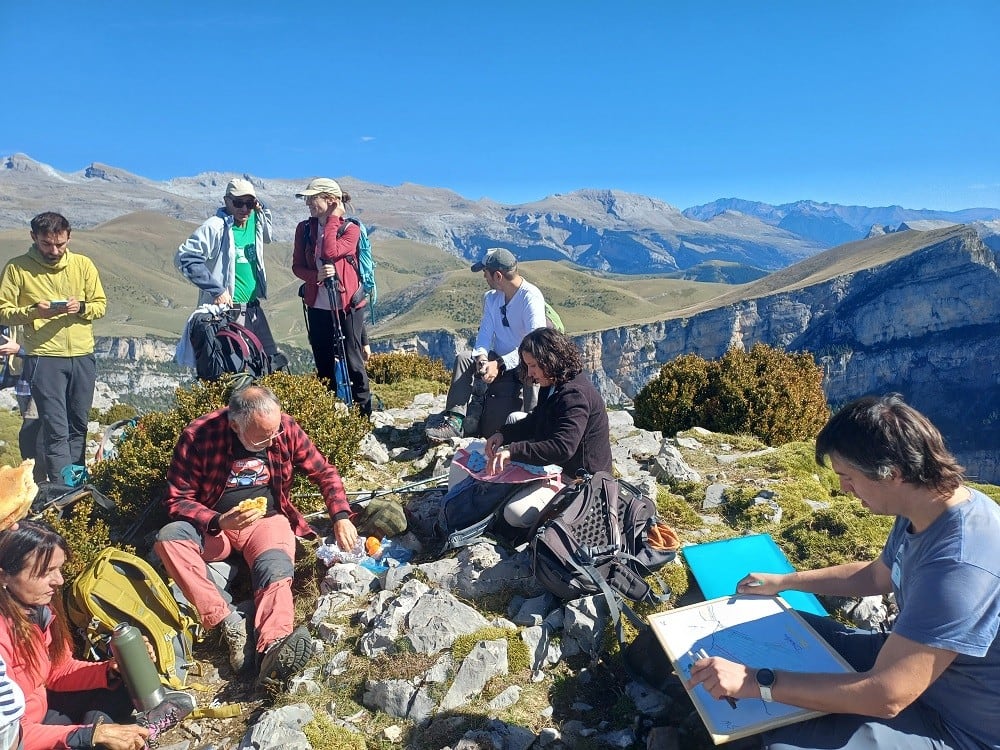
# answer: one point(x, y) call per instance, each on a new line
point(759, 631)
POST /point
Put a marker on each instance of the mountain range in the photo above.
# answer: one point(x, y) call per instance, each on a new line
point(910, 306)
point(609, 230)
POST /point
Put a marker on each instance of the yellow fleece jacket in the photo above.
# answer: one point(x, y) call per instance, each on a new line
point(28, 279)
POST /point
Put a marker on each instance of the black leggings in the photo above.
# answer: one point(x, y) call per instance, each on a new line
point(325, 350)
point(87, 706)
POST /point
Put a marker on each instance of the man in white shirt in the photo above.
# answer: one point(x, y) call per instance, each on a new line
point(512, 309)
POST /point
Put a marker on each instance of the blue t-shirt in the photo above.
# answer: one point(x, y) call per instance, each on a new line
point(946, 580)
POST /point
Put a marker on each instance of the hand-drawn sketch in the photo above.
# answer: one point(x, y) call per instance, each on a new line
point(757, 631)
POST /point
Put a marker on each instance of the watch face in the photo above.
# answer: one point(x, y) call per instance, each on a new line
point(765, 677)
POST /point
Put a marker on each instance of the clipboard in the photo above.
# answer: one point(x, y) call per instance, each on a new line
point(760, 631)
point(718, 566)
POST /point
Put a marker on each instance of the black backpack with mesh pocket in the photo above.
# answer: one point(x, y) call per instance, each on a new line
point(222, 346)
point(593, 538)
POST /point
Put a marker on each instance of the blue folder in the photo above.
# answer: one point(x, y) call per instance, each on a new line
point(718, 567)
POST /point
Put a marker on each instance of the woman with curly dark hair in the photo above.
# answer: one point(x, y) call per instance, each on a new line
point(568, 427)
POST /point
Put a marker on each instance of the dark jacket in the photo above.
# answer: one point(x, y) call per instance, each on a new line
point(569, 427)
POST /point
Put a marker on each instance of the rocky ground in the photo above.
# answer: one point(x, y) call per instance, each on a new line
point(466, 651)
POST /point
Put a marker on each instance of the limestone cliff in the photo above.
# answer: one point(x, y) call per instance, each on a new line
point(915, 313)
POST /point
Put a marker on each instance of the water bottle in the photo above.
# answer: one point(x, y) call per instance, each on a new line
point(136, 668)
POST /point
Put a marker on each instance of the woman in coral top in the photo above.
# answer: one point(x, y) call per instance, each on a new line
point(326, 249)
point(70, 704)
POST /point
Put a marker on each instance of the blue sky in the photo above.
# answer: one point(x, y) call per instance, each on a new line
point(866, 102)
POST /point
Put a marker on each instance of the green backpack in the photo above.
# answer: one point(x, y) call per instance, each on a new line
point(120, 587)
point(552, 319)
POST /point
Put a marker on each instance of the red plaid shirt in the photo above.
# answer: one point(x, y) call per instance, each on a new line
point(203, 459)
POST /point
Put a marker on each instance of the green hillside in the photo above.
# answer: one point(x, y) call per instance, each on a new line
point(420, 287)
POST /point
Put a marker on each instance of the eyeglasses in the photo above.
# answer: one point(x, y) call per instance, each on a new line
point(243, 202)
point(503, 316)
point(266, 441)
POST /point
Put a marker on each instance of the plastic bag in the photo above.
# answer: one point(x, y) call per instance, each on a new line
point(330, 552)
point(390, 555)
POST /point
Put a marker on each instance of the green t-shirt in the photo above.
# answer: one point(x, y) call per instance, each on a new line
point(246, 280)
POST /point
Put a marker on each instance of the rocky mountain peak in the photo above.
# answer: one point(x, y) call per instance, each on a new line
point(99, 171)
point(24, 164)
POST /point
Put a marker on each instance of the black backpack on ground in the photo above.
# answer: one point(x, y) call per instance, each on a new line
point(473, 508)
point(223, 346)
point(593, 539)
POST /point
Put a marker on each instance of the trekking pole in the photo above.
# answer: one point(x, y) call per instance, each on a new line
point(366, 496)
point(338, 334)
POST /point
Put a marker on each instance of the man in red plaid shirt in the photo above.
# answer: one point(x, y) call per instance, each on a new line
point(247, 450)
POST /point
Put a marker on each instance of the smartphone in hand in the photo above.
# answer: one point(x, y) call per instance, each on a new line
point(59, 304)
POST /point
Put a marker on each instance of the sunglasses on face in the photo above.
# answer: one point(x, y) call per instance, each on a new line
point(243, 202)
point(503, 316)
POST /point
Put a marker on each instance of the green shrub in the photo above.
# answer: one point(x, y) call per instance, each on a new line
point(671, 401)
point(86, 532)
point(136, 476)
point(396, 366)
point(775, 395)
point(114, 413)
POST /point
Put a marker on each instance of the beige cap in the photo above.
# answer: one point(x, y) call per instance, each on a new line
point(321, 185)
point(238, 186)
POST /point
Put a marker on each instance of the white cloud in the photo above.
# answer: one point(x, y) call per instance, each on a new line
point(367, 138)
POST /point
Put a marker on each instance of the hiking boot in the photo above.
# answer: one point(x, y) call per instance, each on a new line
point(234, 635)
point(175, 707)
point(450, 427)
point(284, 657)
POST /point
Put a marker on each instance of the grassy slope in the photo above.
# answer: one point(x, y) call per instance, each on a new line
point(422, 287)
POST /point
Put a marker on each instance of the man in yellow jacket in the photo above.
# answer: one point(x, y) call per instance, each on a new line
point(56, 295)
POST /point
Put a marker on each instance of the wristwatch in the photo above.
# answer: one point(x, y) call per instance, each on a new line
point(765, 681)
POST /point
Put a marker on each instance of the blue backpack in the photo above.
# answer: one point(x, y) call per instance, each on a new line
point(363, 263)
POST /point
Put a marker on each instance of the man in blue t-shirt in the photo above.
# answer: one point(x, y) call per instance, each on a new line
point(934, 681)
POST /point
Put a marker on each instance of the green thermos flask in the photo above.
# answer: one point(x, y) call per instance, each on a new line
point(136, 668)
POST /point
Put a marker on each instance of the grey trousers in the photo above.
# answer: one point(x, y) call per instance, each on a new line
point(63, 389)
point(502, 397)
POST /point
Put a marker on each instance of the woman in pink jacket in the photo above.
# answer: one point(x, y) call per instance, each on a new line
point(69, 704)
point(326, 248)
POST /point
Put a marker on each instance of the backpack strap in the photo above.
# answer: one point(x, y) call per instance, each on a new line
point(617, 606)
point(248, 334)
point(352, 261)
point(251, 348)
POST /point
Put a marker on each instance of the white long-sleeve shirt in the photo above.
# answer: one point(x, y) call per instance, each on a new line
point(524, 313)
